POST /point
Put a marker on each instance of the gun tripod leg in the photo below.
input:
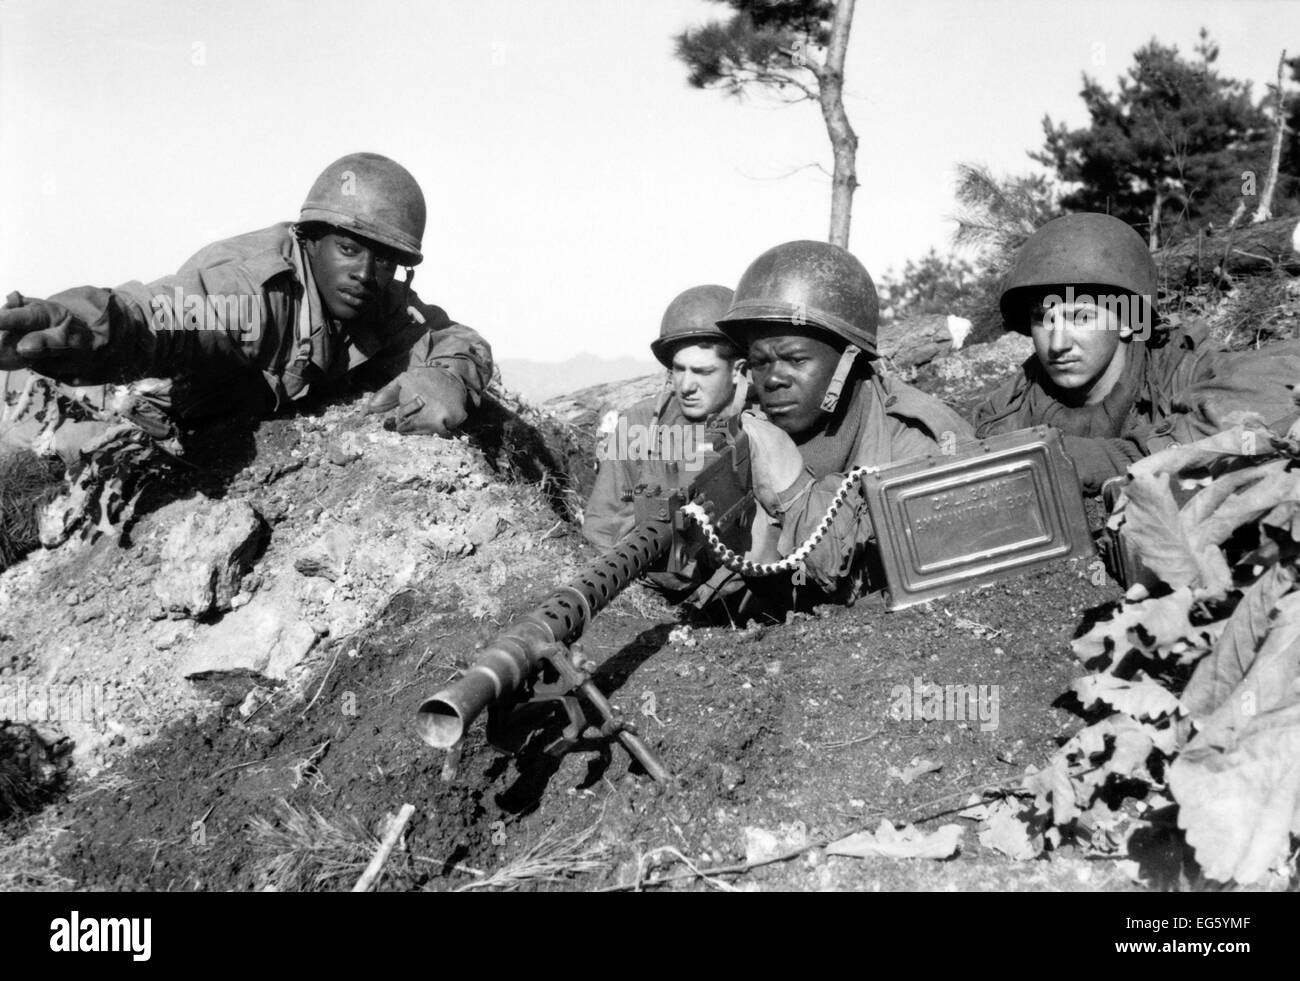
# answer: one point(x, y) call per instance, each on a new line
point(625, 734)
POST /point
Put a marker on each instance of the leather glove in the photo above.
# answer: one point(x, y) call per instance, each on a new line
point(430, 401)
point(45, 337)
point(775, 464)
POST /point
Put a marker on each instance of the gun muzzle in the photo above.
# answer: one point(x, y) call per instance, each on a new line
point(511, 659)
point(499, 671)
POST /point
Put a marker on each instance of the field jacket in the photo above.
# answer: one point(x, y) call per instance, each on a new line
point(240, 326)
point(650, 443)
point(1175, 389)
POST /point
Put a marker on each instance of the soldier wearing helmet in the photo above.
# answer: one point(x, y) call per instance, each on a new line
point(1118, 383)
point(261, 320)
point(806, 315)
point(656, 440)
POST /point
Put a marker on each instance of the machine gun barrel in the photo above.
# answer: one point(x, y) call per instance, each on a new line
point(529, 662)
point(505, 666)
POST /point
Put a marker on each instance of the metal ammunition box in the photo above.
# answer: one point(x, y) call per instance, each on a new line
point(997, 508)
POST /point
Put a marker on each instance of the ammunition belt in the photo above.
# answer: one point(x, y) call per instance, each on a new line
point(738, 563)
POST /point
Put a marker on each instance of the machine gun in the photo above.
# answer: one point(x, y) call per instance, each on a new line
point(998, 507)
point(530, 663)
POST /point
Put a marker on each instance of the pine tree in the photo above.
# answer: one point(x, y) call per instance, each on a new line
point(1167, 151)
point(794, 49)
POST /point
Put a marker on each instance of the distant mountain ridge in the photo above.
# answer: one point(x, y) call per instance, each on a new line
point(538, 381)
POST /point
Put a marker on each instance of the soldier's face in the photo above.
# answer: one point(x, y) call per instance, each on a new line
point(1078, 345)
point(703, 381)
point(351, 273)
point(790, 369)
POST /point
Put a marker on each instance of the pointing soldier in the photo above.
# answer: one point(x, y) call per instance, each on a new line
point(261, 320)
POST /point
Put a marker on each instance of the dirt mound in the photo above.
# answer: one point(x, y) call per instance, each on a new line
point(585, 408)
point(788, 734)
point(523, 443)
point(264, 744)
point(965, 377)
point(108, 643)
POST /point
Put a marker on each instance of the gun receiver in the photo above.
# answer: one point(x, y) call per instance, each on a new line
point(529, 661)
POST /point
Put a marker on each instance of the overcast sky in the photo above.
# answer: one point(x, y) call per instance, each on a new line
point(575, 182)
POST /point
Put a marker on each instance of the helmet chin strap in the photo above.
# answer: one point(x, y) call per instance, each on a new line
point(832, 397)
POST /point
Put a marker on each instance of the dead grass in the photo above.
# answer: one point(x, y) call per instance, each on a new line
point(524, 445)
point(27, 484)
point(552, 858)
point(33, 770)
point(27, 862)
point(110, 781)
point(644, 602)
point(305, 850)
point(308, 770)
point(1260, 310)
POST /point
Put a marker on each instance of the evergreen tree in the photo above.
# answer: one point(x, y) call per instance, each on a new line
point(1167, 151)
point(795, 49)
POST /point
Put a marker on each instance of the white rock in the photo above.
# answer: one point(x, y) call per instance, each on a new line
point(206, 554)
point(959, 328)
point(263, 637)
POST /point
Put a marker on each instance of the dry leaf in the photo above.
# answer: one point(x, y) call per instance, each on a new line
point(1142, 699)
point(1239, 808)
point(1267, 683)
point(1218, 674)
point(906, 842)
point(918, 769)
point(1008, 833)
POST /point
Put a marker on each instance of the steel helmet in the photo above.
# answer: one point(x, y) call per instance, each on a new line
point(372, 196)
point(806, 282)
point(1089, 248)
point(693, 315)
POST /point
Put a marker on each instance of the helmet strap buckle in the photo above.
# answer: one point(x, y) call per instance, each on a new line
point(832, 397)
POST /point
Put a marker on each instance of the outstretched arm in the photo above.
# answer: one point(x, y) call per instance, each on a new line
point(90, 335)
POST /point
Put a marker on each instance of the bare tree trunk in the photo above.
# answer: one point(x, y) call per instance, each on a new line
point(844, 142)
point(1265, 210)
